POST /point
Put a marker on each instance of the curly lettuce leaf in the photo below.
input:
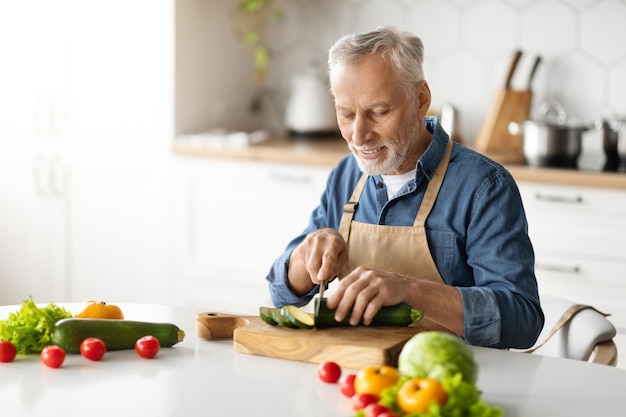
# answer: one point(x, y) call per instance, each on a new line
point(463, 401)
point(30, 328)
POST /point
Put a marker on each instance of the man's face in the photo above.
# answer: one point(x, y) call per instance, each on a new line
point(376, 117)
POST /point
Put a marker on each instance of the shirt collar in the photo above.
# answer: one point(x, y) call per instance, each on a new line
point(430, 160)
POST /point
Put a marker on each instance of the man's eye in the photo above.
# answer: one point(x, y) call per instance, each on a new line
point(382, 113)
point(346, 116)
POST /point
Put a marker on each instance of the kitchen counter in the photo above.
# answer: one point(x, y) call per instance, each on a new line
point(198, 377)
point(327, 151)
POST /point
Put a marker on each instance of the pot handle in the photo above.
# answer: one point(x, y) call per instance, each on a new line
point(515, 128)
point(553, 108)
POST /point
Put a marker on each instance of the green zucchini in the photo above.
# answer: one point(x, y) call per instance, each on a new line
point(116, 334)
point(299, 318)
point(280, 320)
point(398, 315)
point(267, 316)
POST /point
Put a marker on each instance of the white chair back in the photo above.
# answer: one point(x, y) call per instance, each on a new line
point(575, 331)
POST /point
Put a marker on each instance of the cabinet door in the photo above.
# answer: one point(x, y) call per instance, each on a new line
point(116, 230)
point(32, 81)
point(235, 218)
point(31, 241)
point(581, 221)
point(599, 283)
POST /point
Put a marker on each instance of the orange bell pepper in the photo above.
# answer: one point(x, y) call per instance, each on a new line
point(100, 310)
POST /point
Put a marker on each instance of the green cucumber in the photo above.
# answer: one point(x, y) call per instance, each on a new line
point(299, 318)
point(267, 316)
point(280, 320)
point(116, 334)
point(398, 315)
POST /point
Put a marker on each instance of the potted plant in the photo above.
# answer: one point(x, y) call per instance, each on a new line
point(252, 16)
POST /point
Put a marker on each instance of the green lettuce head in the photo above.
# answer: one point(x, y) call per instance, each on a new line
point(437, 355)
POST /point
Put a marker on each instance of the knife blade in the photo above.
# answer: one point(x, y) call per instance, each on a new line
point(321, 297)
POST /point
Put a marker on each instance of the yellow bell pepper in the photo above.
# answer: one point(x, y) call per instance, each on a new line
point(100, 310)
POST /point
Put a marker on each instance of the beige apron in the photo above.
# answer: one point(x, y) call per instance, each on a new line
point(399, 249)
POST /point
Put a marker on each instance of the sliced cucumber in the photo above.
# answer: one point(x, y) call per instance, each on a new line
point(278, 318)
point(299, 318)
point(267, 316)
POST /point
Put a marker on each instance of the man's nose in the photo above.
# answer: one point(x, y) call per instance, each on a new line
point(360, 130)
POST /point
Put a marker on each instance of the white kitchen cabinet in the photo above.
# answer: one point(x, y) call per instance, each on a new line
point(580, 246)
point(86, 123)
point(92, 93)
point(32, 212)
point(233, 218)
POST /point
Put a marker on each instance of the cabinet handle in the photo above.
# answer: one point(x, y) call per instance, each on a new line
point(39, 179)
point(56, 177)
point(568, 269)
point(552, 198)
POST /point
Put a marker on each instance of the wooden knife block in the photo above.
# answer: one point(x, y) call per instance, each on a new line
point(494, 139)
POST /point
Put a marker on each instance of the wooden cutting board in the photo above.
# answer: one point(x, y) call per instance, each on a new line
point(350, 347)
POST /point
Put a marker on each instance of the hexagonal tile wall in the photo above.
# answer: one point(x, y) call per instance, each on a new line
point(469, 45)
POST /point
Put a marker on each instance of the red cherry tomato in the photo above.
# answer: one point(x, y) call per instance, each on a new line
point(93, 348)
point(7, 351)
point(147, 347)
point(52, 356)
point(375, 410)
point(360, 401)
point(329, 372)
point(346, 385)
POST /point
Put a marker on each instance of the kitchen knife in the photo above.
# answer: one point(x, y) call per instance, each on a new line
point(514, 62)
point(533, 70)
point(322, 289)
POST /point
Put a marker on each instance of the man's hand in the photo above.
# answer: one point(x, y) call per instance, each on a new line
point(321, 256)
point(365, 291)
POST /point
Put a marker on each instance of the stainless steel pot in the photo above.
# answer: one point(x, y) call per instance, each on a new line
point(552, 141)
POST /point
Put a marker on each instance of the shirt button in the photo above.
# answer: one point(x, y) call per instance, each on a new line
point(379, 185)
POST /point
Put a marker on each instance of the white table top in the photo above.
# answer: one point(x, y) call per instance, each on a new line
point(201, 378)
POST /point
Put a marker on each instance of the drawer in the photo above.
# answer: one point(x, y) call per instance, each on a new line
point(576, 220)
point(573, 201)
point(600, 284)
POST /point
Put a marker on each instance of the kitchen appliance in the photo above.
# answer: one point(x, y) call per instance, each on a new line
point(351, 347)
point(509, 105)
point(310, 107)
point(552, 140)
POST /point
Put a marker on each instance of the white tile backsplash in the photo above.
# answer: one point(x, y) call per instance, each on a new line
point(469, 45)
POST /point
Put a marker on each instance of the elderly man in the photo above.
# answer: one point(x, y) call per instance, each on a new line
point(411, 216)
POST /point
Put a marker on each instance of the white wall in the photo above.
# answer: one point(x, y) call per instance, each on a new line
point(469, 45)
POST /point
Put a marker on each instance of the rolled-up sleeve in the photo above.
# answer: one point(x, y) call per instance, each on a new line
point(502, 309)
point(279, 286)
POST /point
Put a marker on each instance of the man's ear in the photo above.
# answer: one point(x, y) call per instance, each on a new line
point(422, 99)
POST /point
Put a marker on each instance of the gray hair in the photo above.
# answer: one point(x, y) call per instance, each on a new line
point(404, 50)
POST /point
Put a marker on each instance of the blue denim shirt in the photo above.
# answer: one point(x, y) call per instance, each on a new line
point(477, 234)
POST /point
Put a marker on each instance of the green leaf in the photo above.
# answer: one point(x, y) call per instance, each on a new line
point(30, 328)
